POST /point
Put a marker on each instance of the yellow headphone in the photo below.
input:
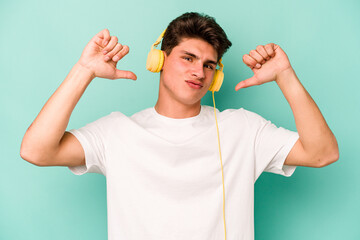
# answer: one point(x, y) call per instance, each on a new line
point(155, 62)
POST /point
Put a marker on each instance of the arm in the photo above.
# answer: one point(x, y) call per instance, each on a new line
point(317, 145)
point(46, 143)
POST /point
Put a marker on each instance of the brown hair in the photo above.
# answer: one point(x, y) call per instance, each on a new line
point(195, 25)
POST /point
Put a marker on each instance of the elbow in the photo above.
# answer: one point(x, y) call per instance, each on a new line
point(30, 156)
point(327, 161)
point(330, 158)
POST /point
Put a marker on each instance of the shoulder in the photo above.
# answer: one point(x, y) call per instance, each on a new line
point(113, 116)
point(143, 116)
point(240, 114)
point(209, 111)
point(107, 121)
point(241, 117)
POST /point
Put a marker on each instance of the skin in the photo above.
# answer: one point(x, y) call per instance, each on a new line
point(46, 142)
point(194, 61)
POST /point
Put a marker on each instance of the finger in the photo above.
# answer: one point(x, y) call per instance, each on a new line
point(121, 53)
point(116, 49)
point(106, 37)
point(270, 49)
point(250, 62)
point(254, 54)
point(98, 40)
point(111, 45)
point(246, 83)
point(261, 50)
point(101, 37)
point(125, 74)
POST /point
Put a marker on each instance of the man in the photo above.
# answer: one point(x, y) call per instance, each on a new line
point(162, 164)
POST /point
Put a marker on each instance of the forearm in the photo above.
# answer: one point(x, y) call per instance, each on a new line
point(44, 134)
point(314, 133)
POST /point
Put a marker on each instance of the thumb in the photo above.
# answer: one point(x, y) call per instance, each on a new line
point(125, 74)
point(246, 83)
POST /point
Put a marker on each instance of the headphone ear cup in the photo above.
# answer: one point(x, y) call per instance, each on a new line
point(217, 81)
point(155, 60)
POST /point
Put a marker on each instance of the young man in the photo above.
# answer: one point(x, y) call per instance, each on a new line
point(162, 164)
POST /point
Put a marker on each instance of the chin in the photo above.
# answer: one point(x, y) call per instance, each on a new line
point(191, 100)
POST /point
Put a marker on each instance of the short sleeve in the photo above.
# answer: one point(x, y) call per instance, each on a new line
point(272, 145)
point(92, 141)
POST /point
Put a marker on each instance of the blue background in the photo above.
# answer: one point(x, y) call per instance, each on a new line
point(41, 41)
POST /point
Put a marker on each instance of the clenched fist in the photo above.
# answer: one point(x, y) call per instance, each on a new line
point(267, 62)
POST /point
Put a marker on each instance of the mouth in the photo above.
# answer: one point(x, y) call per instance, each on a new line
point(194, 84)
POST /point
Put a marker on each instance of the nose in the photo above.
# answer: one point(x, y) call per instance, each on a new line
point(198, 70)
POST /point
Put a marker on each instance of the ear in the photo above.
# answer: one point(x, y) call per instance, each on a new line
point(165, 57)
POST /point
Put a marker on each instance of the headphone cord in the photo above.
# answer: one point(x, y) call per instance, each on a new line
point(222, 171)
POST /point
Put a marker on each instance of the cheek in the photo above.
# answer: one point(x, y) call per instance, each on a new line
point(171, 67)
point(180, 67)
point(210, 76)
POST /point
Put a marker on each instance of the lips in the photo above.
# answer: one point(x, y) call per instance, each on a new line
point(194, 84)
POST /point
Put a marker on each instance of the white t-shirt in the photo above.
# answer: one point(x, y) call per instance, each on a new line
point(164, 176)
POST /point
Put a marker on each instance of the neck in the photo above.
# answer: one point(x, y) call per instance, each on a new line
point(177, 110)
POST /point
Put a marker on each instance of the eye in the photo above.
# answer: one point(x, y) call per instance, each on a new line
point(187, 58)
point(209, 66)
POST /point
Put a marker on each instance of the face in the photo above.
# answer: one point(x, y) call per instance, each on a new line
point(188, 71)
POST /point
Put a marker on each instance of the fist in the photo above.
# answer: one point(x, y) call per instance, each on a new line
point(266, 62)
point(102, 54)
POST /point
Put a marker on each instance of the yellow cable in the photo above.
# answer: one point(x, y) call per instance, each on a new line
point(222, 171)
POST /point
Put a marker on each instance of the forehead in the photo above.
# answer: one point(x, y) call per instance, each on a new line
point(197, 46)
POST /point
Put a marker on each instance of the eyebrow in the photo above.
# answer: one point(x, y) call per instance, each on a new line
point(194, 56)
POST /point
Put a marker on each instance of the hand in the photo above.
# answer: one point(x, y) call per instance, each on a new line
point(101, 55)
point(267, 62)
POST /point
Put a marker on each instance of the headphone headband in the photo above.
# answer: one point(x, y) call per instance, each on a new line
point(159, 39)
point(220, 65)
